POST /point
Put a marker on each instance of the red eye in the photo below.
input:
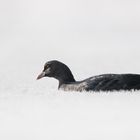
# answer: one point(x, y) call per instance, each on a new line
point(46, 66)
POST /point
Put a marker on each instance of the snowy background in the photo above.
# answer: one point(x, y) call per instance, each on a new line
point(90, 36)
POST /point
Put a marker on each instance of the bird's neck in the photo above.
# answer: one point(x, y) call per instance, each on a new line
point(65, 79)
point(64, 75)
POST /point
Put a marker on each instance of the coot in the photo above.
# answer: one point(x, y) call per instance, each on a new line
point(105, 82)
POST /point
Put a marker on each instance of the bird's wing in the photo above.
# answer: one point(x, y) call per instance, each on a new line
point(105, 82)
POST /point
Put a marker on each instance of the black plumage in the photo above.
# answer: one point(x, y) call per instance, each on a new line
point(105, 82)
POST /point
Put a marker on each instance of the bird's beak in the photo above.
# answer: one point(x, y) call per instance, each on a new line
point(41, 75)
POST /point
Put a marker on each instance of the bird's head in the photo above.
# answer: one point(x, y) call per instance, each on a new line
point(49, 70)
point(56, 70)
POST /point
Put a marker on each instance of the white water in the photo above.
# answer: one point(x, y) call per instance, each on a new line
point(91, 37)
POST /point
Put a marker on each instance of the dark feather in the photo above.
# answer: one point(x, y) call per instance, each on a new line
point(105, 82)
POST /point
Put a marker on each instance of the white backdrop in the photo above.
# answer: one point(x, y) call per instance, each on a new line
point(91, 37)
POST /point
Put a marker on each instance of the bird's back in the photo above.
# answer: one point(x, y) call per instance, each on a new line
point(106, 82)
point(109, 82)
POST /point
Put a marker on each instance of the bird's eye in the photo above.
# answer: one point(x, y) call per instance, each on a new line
point(47, 66)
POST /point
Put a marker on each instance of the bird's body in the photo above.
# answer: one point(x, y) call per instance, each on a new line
point(105, 82)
